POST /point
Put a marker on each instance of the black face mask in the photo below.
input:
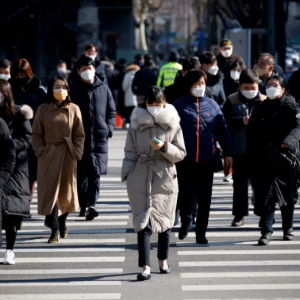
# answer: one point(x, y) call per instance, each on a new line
point(21, 81)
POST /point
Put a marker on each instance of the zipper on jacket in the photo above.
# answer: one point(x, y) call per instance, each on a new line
point(198, 129)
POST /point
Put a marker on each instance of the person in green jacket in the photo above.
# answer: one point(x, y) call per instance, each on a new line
point(168, 71)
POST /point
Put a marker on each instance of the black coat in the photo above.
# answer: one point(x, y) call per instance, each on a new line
point(33, 94)
point(224, 63)
point(293, 85)
point(7, 162)
point(215, 83)
point(16, 193)
point(98, 115)
point(143, 79)
point(274, 123)
point(230, 86)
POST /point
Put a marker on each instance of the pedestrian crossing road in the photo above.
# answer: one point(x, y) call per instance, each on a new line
point(98, 260)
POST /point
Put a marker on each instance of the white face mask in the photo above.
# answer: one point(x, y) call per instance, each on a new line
point(235, 75)
point(155, 110)
point(88, 75)
point(249, 94)
point(273, 92)
point(226, 53)
point(93, 57)
point(199, 91)
point(4, 76)
point(213, 70)
point(61, 70)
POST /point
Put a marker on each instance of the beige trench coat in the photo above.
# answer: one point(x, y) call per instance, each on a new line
point(150, 175)
point(58, 140)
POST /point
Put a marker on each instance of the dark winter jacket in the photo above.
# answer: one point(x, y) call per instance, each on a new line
point(230, 86)
point(293, 85)
point(7, 162)
point(16, 194)
point(98, 115)
point(235, 109)
point(198, 142)
point(274, 123)
point(143, 79)
point(215, 83)
point(225, 63)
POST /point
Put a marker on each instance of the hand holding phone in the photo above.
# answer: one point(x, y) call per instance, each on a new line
point(157, 144)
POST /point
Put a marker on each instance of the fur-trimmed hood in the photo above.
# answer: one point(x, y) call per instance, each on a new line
point(141, 119)
point(26, 111)
point(132, 67)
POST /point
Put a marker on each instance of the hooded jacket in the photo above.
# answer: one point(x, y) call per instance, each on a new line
point(130, 97)
point(150, 175)
point(215, 83)
point(16, 194)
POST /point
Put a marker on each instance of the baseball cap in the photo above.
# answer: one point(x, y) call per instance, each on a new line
point(225, 43)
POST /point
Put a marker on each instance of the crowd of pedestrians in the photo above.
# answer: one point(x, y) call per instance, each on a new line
point(186, 121)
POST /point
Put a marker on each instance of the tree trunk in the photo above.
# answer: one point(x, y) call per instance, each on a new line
point(141, 43)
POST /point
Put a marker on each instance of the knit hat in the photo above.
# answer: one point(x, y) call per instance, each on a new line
point(225, 43)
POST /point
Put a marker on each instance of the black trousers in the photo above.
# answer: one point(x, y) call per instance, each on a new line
point(56, 222)
point(144, 245)
point(195, 177)
point(241, 181)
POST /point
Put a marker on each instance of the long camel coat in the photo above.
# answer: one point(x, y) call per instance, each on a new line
point(150, 174)
point(58, 140)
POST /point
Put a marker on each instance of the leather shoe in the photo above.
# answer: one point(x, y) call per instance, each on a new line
point(288, 235)
point(184, 230)
point(265, 239)
point(91, 214)
point(202, 240)
point(238, 222)
point(143, 276)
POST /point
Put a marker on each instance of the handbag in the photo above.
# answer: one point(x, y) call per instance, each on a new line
point(218, 164)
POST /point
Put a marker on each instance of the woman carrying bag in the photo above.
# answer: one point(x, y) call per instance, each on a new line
point(273, 136)
point(154, 144)
point(58, 140)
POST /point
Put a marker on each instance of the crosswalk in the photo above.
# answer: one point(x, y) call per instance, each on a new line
point(98, 260)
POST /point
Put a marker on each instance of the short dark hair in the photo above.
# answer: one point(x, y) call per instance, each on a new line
point(154, 94)
point(148, 56)
point(207, 58)
point(174, 56)
point(191, 77)
point(191, 63)
point(61, 61)
point(91, 46)
point(49, 97)
point(271, 58)
point(249, 76)
point(279, 78)
point(138, 57)
point(148, 62)
point(85, 61)
point(5, 63)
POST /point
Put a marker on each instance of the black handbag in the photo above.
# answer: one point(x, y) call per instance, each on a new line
point(218, 164)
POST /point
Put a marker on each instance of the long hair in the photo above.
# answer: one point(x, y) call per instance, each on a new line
point(21, 66)
point(5, 89)
point(50, 98)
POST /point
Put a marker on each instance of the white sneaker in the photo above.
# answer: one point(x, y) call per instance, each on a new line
point(9, 258)
point(228, 178)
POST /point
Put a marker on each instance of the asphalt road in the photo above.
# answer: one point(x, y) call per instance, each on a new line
point(98, 260)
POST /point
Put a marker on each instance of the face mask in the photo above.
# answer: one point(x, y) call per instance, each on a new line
point(199, 91)
point(226, 53)
point(155, 110)
point(4, 76)
point(213, 70)
point(249, 94)
point(60, 95)
point(260, 72)
point(273, 92)
point(88, 75)
point(235, 75)
point(93, 57)
point(61, 70)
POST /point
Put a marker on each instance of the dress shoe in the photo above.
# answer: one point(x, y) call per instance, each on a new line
point(184, 230)
point(91, 214)
point(64, 233)
point(238, 222)
point(265, 239)
point(82, 212)
point(143, 276)
point(202, 240)
point(54, 237)
point(288, 235)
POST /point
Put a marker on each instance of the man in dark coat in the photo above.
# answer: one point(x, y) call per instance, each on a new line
point(7, 162)
point(293, 85)
point(226, 57)
point(98, 115)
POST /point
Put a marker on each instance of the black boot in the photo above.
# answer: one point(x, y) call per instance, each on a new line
point(265, 239)
point(202, 240)
point(183, 231)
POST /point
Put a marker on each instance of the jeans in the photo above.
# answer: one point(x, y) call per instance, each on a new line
point(195, 178)
point(56, 222)
point(241, 181)
point(144, 245)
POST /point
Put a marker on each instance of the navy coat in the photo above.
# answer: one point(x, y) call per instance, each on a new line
point(98, 116)
point(215, 83)
point(192, 125)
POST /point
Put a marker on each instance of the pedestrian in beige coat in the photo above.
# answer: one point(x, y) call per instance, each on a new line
point(58, 140)
point(150, 174)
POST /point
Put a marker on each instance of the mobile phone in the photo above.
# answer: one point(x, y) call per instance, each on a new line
point(156, 141)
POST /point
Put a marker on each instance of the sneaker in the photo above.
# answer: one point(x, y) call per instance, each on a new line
point(9, 258)
point(91, 214)
point(228, 178)
point(288, 235)
point(238, 222)
point(183, 231)
point(265, 239)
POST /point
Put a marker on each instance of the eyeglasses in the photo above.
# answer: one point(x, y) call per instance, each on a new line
point(275, 85)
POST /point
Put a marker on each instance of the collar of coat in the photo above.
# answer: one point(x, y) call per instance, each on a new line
point(141, 119)
point(51, 106)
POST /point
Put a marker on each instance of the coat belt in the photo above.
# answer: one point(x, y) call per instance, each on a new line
point(150, 162)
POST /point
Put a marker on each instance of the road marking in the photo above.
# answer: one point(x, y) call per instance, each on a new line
point(61, 249)
point(102, 296)
point(241, 287)
point(73, 231)
point(82, 224)
point(70, 241)
point(73, 259)
point(234, 233)
point(102, 210)
point(239, 252)
point(60, 283)
point(82, 219)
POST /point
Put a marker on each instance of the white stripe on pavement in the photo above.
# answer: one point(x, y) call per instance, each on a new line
point(73, 259)
point(240, 274)
point(73, 231)
point(234, 233)
point(240, 263)
point(71, 241)
point(83, 224)
point(241, 287)
point(61, 249)
point(59, 283)
point(239, 252)
point(81, 219)
point(102, 296)
point(34, 211)
point(61, 271)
